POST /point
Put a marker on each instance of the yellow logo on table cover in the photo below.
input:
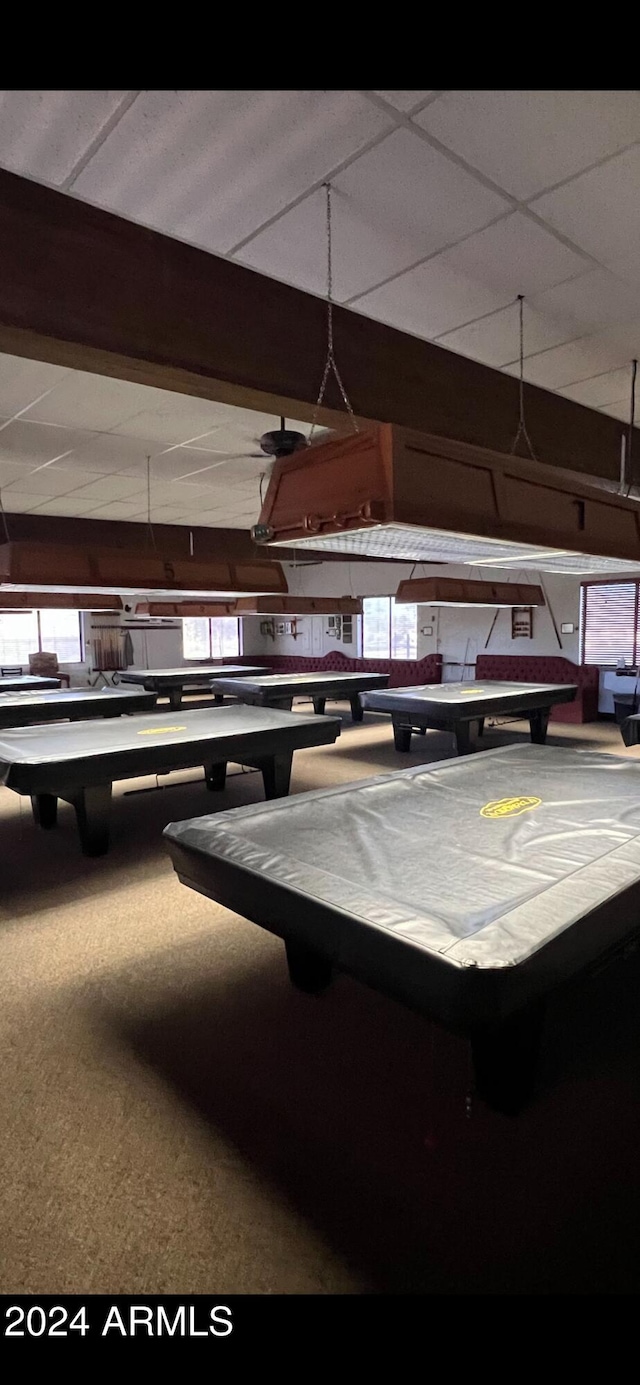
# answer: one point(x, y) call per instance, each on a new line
point(159, 730)
point(509, 807)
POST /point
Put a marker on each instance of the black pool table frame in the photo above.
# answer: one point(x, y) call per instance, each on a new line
point(279, 690)
point(174, 682)
point(74, 704)
point(416, 710)
point(260, 739)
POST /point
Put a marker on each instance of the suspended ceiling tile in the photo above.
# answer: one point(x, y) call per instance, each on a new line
point(115, 509)
point(212, 166)
point(430, 299)
point(176, 418)
point(619, 409)
point(528, 140)
point(46, 481)
point(23, 381)
point(404, 100)
point(103, 453)
point(36, 444)
point(627, 266)
point(393, 206)
point(602, 390)
point(60, 505)
point(591, 300)
point(514, 256)
point(600, 210)
point(45, 133)
point(114, 487)
point(495, 339)
point(19, 501)
point(90, 401)
point(577, 360)
point(10, 471)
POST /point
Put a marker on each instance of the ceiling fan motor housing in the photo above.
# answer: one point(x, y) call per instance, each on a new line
point(282, 442)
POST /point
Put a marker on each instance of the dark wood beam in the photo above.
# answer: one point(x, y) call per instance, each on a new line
point(86, 289)
point(173, 540)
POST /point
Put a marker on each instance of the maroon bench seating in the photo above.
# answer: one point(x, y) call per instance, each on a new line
point(546, 668)
point(402, 672)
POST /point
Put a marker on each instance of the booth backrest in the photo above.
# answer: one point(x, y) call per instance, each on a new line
point(402, 672)
point(546, 668)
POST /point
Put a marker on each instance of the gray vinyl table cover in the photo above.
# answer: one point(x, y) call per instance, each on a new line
point(74, 704)
point(39, 759)
point(283, 685)
point(468, 701)
point(155, 679)
point(27, 682)
point(467, 889)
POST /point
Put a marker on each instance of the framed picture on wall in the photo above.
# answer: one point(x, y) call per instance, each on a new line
point(521, 622)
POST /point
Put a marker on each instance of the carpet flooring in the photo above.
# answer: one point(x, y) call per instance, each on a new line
point(175, 1118)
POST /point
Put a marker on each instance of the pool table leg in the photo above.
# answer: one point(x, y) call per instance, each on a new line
point(538, 722)
point(319, 704)
point(93, 814)
point(215, 776)
point(218, 699)
point(462, 735)
point(308, 970)
point(175, 699)
point(276, 775)
point(481, 726)
point(401, 736)
point(505, 1060)
point(357, 710)
point(44, 807)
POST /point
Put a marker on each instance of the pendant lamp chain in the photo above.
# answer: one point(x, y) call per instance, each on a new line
point(4, 518)
point(632, 419)
point(149, 521)
point(522, 427)
point(330, 363)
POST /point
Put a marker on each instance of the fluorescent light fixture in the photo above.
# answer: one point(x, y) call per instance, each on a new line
point(12, 600)
point(462, 591)
point(298, 606)
point(31, 566)
point(392, 493)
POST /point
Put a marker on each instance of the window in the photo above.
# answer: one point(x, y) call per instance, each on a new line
point(609, 627)
point(215, 638)
point(389, 631)
point(30, 632)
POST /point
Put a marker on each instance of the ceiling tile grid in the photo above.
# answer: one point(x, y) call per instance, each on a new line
point(446, 205)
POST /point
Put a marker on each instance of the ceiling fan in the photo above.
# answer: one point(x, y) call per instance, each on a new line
point(282, 442)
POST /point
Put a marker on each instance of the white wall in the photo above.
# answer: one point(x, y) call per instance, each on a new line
point(458, 634)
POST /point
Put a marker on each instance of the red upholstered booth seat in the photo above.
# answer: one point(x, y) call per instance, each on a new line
point(403, 672)
point(546, 668)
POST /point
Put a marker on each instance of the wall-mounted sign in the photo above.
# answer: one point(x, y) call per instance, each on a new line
point(522, 623)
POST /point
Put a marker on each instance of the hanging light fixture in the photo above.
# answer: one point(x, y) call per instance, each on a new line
point(460, 591)
point(298, 606)
point(58, 600)
point(26, 564)
point(390, 492)
point(183, 610)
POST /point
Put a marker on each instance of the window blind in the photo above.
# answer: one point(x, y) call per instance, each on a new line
point(609, 623)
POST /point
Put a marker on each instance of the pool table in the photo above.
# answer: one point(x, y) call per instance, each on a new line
point(279, 689)
point(73, 704)
point(27, 682)
point(79, 761)
point(469, 889)
point(454, 706)
point(173, 682)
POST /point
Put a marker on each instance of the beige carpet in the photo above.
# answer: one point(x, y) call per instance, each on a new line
point(174, 1117)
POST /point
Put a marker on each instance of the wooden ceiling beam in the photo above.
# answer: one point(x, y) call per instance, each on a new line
point(86, 289)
